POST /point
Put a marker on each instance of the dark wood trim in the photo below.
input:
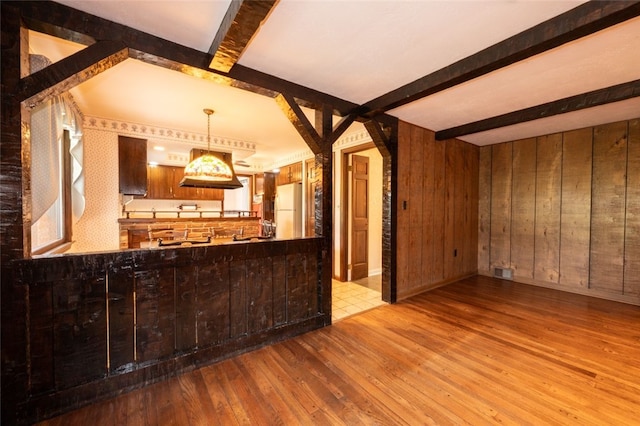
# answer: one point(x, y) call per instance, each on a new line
point(13, 222)
point(69, 72)
point(581, 21)
point(323, 122)
point(591, 99)
point(294, 114)
point(62, 21)
point(241, 22)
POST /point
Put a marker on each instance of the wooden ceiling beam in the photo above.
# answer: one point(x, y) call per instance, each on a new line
point(69, 72)
point(617, 93)
point(581, 21)
point(240, 24)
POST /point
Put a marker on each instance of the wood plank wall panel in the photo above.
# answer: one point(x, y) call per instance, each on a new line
point(416, 206)
point(575, 217)
point(608, 206)
point(312, 286)
point(460, 169)
point(238, 319)
point(484, 209)
point(523, 208)
point(452, 172)
point(587, 211)
point(40, 329)
point(121, 324)
point(155, 315)
point(260, 293)
point(632, 225)
point(298, 305)
point(439, 212)
point(279, 290)
point(191, 306)
point(428, 187)
point(80, 331)
point(547, 227)
point(501, 173)
point(186, 307)
point(404, 195)
point(213, 307)
point(437, 233)
point(470, 237)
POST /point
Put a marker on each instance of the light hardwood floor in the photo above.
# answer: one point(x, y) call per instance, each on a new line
point(479, 351)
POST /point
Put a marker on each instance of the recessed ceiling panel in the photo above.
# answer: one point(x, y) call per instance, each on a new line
point(358, 50)
point(601, 60)
point(619, 111)
point(190, 23)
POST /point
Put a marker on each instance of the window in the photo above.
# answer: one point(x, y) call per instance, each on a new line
point(53, 227)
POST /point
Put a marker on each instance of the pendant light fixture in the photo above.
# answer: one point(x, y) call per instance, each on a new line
point(211, 170)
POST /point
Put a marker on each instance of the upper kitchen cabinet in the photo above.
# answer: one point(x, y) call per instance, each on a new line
point(290, 174)
point(164, 184)
point(132, 164)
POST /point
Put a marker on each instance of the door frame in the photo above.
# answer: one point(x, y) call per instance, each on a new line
point(344, 202)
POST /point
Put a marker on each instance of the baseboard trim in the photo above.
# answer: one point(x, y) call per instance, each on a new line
point(615, 297)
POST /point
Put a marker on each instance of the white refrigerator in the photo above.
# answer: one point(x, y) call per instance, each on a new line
point(288, 207)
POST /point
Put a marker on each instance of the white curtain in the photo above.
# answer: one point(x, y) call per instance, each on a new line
point(49, 120)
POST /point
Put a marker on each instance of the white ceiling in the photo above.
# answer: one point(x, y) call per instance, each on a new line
point(358, 50)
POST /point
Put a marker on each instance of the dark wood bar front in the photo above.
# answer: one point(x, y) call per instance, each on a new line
point(102, 324)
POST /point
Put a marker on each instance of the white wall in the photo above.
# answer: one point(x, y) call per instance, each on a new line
point(97, 229)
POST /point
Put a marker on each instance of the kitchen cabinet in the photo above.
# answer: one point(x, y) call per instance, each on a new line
point(290, 174)
point(132, 165)
point(164, 183)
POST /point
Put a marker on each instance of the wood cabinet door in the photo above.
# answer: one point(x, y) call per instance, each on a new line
point(132, 165)
point(182, 192)
point(160, 182)
point(210, 194)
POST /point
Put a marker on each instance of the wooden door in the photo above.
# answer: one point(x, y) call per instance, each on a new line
point(359, 217)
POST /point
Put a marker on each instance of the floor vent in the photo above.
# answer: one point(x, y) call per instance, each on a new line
point(504, 273)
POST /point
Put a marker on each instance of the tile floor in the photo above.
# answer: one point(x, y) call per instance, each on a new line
point(350, 298)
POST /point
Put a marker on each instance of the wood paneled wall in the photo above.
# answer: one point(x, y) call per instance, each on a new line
point(563, 210)
point(101, 324)
point(437, 210)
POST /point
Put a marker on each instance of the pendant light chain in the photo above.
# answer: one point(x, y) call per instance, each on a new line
point(208, 111)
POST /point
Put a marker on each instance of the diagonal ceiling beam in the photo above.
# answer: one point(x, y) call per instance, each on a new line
point(595, 98)
point(379, 137)
point(296, 116)
point(581, 21)
point(316, 138)
point(241, 22)
point(67, 73)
